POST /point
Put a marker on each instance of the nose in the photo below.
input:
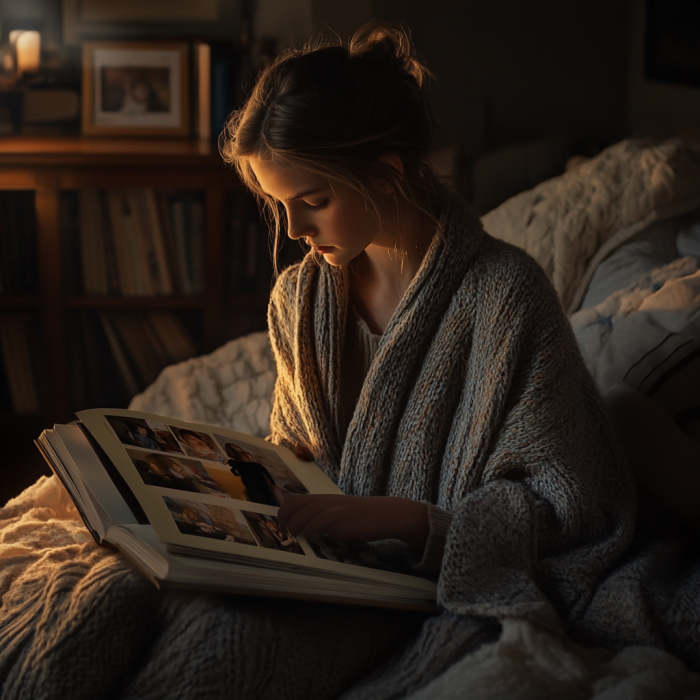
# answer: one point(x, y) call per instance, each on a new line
point(298, 226)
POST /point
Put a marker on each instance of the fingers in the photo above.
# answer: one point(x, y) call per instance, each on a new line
point(326, 522)
point(295, 503)
point(302, 452)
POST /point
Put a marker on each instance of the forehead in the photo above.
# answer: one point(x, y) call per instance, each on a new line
point(284, 182)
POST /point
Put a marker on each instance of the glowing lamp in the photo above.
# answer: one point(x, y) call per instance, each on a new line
point(28, 48)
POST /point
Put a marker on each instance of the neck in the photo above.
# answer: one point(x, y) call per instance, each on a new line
point(381, 274)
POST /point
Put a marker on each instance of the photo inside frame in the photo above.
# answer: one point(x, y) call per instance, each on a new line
point(137, 87)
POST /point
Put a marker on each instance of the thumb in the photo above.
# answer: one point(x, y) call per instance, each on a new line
point(302, 452)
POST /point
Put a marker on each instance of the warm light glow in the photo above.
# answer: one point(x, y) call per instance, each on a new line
point(28, 46)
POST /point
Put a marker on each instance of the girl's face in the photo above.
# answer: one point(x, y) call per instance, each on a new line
point(333, 218)
point(196, 443)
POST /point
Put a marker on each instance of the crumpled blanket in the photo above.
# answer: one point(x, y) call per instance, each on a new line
point(621, 337)
point(569, 224)
point(50, 567)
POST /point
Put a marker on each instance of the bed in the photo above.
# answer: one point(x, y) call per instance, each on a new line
point(620, 238)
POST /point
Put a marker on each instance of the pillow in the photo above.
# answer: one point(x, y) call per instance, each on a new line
point(653, 247)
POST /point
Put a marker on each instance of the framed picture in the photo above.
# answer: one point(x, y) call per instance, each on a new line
point(135, 89)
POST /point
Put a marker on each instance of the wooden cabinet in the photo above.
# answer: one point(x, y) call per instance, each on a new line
point(50, 165)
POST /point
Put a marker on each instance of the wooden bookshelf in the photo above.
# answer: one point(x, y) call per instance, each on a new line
point(49, 165)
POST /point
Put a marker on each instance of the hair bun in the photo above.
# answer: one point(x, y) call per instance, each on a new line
point(390, 43)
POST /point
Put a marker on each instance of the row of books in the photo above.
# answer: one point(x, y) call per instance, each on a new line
point(135, 242)
point(18, 255)
point(221, 76)
point(18, 386)
point(250, 254)
point(115, 355)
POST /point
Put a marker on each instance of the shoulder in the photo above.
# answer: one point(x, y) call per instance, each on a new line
point(505, 267)
point(292, 280)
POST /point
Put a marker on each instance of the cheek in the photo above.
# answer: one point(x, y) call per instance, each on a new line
point(358, 227)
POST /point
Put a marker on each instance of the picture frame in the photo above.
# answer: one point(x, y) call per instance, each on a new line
point(135, 88)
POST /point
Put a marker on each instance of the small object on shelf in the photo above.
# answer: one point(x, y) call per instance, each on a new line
point(48, 106)
point(28, 48)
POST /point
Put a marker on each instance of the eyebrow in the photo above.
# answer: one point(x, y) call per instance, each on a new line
point(304, 193)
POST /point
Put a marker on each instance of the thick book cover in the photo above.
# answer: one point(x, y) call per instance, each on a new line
point(196, 505)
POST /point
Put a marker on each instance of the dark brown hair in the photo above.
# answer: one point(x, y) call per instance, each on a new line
point(334, 110)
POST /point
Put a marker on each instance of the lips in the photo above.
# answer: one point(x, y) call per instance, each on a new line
point(323, 249)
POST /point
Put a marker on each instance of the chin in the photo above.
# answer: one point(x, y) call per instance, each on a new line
point(336, 259)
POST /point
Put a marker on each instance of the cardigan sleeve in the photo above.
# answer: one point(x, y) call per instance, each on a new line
point(439, 522)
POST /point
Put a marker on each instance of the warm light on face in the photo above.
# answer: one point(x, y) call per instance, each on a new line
point(332, 218)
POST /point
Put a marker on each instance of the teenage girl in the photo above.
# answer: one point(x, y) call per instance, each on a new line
point(429, 370)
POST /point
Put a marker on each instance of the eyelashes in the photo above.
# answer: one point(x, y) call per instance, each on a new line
point(316, 207)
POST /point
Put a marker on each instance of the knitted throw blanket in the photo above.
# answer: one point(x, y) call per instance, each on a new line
point(477, 401)
point(569, 224)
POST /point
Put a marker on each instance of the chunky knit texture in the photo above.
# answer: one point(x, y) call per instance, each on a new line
point(571, 223)
point(477, 401)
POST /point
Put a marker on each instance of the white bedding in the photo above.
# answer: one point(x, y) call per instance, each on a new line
point(645, 330)
point(571, 223)
point(231, 387)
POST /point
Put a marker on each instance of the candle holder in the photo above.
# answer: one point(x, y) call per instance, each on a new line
point(27, 44)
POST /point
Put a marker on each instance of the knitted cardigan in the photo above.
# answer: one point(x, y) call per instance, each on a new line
point(477, 401)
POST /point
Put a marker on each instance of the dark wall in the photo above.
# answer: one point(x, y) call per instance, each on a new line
point(516, 70)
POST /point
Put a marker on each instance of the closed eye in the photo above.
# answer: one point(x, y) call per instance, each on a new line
point(316, 207)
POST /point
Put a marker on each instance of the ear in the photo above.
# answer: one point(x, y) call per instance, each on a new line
point(393, 161)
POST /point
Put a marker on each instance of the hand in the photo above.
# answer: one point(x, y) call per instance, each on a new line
point(302, 452)
point(356, 518)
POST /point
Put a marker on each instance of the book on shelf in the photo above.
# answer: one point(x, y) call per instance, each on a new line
point(136, 242)
point(216, 74)
point(18, 246)
point(250, 270)
point(196, 506)
point(18, 370)
point(113, 355)
point(201, 92)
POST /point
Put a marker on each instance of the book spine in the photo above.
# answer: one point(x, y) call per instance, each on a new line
point(111, 267)
point(176, 339)
point(177, 208)
point(15, 348)
point(197, 245)
point(159, 243)
point(136, 245)
point(5, 249)
point(130, 382)
point(223, 85)
point(136, 345)
point(12, 227)
point(92, 244)
point(148, 258)
point(29, 244)
point(158, 344)
point(164, 216)
point(203, 92)
point(237, 238)
point(121, 244)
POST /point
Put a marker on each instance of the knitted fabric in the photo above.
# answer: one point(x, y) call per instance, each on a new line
point(477, 401)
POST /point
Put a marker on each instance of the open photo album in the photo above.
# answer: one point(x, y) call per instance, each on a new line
point(196, 506)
